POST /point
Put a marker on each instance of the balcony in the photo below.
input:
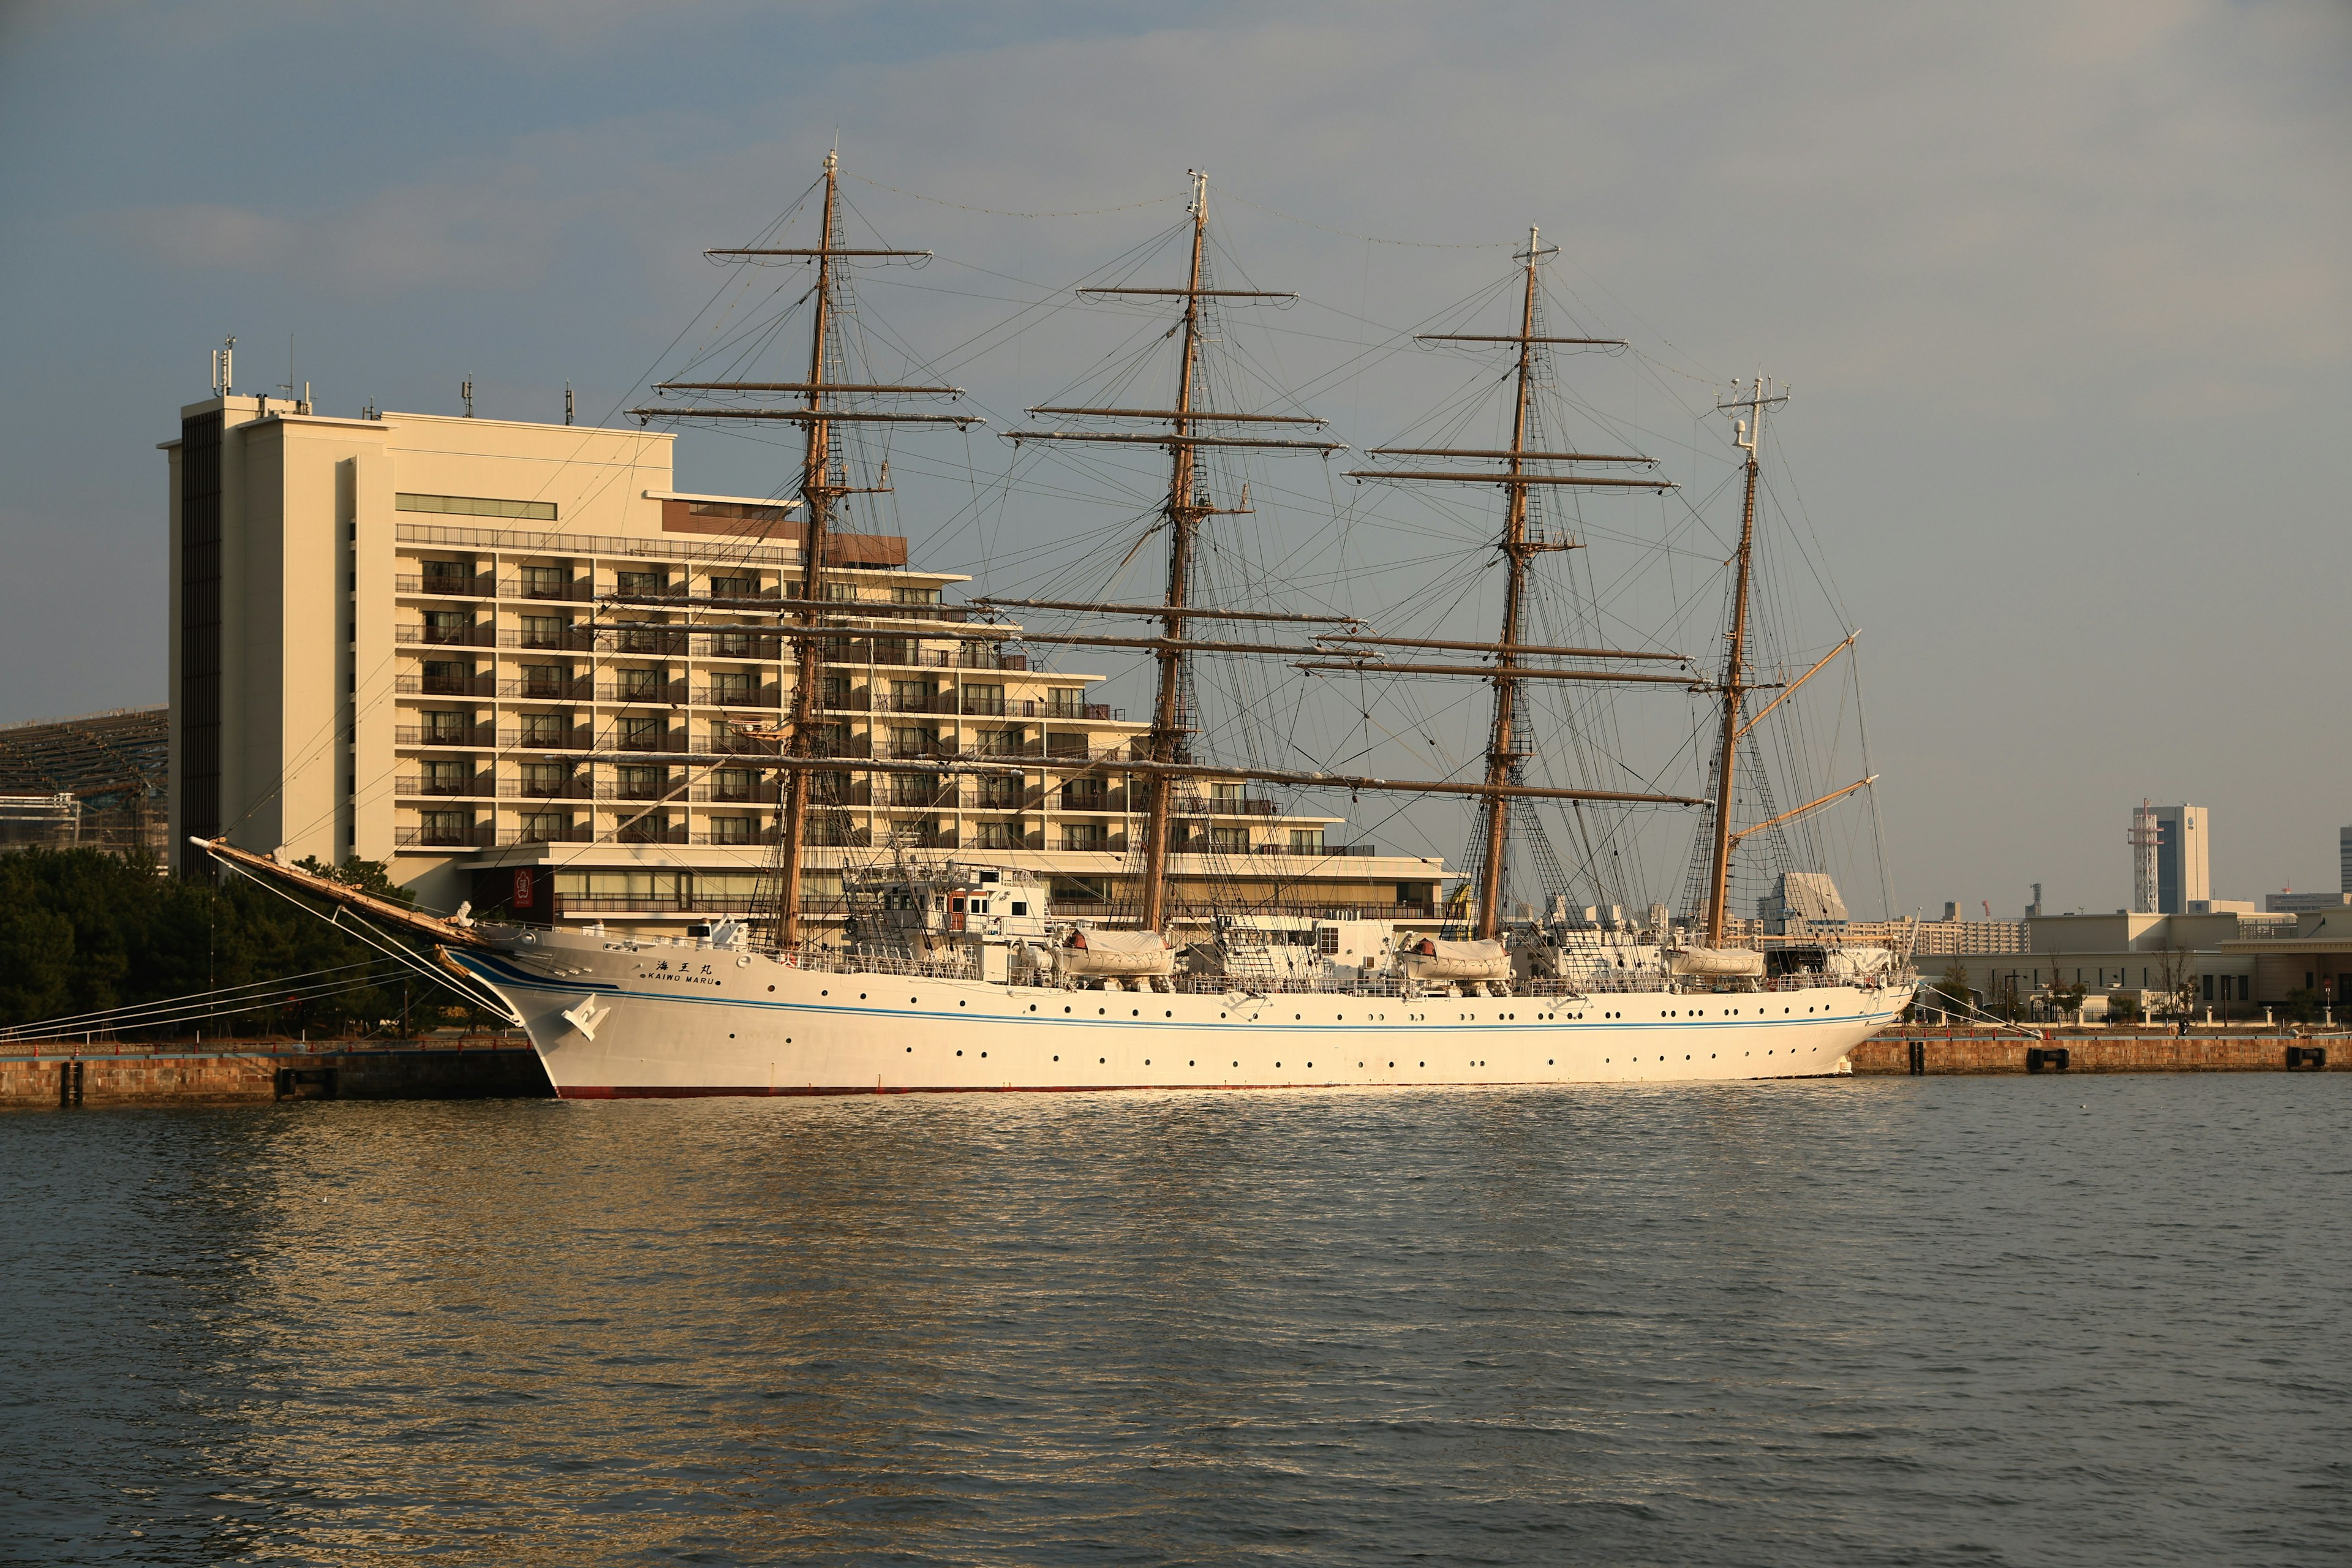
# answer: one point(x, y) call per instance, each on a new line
point(443, 586)
point(574, 788)
point(648, 641)
point(765, 834)
point(446, 735)
point(571, 639)
point(647, 830)
point(420, 636)
point(477, 786)
point(444, 685)
point(616, 740)
point(1228, 806)
point(862, 651)
point(739, 696)
point(579, 738)
point(936, 702)
point(564, 689)
point(574, 590)
point(668, 693)
point(764, 794)
point(615, 790)
point(576, 834)
point(914, 790)
point(736, 645)
point(740, 745)
point(477, 836)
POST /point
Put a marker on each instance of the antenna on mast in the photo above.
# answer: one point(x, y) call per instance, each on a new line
point(224, 366)
point(465, 391)
point(567, 403)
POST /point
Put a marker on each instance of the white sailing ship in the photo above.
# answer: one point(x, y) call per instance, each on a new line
point(957, 974)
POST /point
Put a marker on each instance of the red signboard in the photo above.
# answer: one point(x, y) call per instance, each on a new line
point(522, 890)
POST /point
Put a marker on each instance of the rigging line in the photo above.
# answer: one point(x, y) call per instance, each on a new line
point(200, 1010)
point(1231, 195)
point(998, 212)
point(357, 931)
point(76, 1021)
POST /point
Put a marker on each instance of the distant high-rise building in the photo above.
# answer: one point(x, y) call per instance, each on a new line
point(2343, 858)
point(2182, 867)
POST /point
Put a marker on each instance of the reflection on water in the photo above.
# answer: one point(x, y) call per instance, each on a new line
point(2009, 1321)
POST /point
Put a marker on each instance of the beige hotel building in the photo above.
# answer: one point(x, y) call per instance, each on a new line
point(437, 642)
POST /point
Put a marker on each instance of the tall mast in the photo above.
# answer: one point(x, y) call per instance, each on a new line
point(819, 493)
point(1184, 513)
point(1748, 432)
point(1190, 428)
point(1516, 553)
point(817, 497)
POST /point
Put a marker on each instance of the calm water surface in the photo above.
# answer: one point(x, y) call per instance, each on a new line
point(1933, 1320)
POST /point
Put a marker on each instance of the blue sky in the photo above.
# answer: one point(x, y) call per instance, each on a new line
point(2061, 289)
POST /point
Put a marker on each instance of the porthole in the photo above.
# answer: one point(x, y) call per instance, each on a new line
point(772, 988)
point(960, 1004)
point(821, 993)
point(1191, 1064)
point(910, 1001)
point(1100, 1011)
point(861, 996)
point(1100, 1061)
point(1057, 1059)
point(1135, 1013)
point(911, 1050)
point(1147, 1061)
point(1065, 1009)
point(1549, 1062)
point(959, 1053)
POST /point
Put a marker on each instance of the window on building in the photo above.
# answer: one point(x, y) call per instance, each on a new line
point(996, 835)
point(542, 631)
point(1306, 841)
point(640, 684)
point(985, 699)
point(474, 506)
point(1225, 796)
point(546, 729)
point(731, 644)
point(545, 826)
point(449, 625)
point(730, 688)
point(894, 650)
point(448, 677)
point(999, 792)
point(1085, 836)
point(638, 782)
point(545, 679)
point(734, 587)
point(910, 741)
point(445, 827)
point(917, 789)
point(910, 696)
point(1000, 742)
point(914, 596)
point(448, 577)
point(640, 585)
point(448, 778)
point(546, 778)
point(642, 732)
point(835, 692)
point(1085, 794)
point(733, 829)
point(544, 582)
point(1229, 840)
point(1066, 701)
point(732, 783)
point(829, 739)
point(446, 725)
point(841, 592)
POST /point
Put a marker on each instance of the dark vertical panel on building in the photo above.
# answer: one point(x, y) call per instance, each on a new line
point(199, 696)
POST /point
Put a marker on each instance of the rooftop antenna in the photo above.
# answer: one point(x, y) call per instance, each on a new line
point(224, 367)
point(465, 391)
point(567, 403)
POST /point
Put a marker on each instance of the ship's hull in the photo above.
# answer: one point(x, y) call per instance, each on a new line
point(682, 1021)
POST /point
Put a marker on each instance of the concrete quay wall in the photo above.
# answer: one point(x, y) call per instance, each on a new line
point(1913, 1051)
point(257, 1072)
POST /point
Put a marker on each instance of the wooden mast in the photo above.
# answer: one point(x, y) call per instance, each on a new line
point(1188, 504)
point(1168, 725)
point(819, 493)
point(1747, 433)
point(1516, 556)
point(817, 497)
